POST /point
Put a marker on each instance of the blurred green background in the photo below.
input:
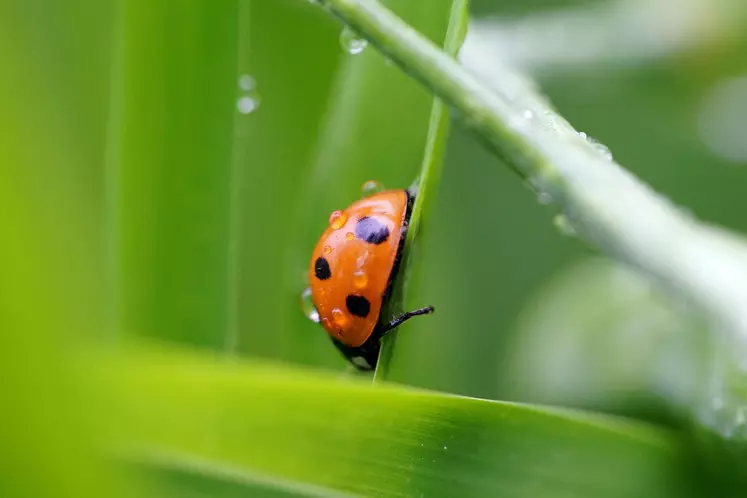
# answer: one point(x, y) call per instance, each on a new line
point(182, 158)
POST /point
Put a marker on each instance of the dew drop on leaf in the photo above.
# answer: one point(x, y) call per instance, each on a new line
point(351, 42)
point(544, 198)
point(247, 105)
point(246, 82)
point(249, 99)
point(603, 149)
point(720, 120)
point(563, 225)
point(718, 403)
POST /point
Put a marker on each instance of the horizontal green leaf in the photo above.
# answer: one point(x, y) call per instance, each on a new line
point(352, 437)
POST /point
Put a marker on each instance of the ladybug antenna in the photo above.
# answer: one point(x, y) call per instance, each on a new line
point(399, 320)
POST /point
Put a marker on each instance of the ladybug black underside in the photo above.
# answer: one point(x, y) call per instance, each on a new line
point(365, 356)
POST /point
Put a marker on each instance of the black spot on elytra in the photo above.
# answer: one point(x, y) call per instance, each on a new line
point(371, 230)
point(321, 269)
point(358, 305)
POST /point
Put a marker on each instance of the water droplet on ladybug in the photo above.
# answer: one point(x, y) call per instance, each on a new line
point(337, 219)
point(350, 235)
point(360, 279)
point(327, 250)
point(339, 317)
point(307, 306)
point(371, 187)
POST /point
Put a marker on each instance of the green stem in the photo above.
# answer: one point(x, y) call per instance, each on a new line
point(605, 204)
point(427, 183)
point(241, 130)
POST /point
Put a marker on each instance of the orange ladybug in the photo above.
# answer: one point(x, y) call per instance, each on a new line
point(352, 272)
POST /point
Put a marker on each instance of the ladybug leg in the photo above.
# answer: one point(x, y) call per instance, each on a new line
point(399, 320)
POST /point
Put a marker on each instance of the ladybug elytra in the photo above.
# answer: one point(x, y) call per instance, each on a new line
point(352, 273)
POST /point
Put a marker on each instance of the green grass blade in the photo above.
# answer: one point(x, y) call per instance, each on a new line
point(427, 185)
point(49, 284)
point(352, 437)
point(242, 131)
point(170, 168)
point(291, 52)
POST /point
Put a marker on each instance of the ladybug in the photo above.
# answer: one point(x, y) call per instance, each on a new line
point(353, 269)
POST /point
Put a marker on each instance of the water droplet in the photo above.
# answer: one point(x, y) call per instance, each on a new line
point(247, 104)
point(360, 279)
point(327, 250)
point(741, 417)
point(446, 447)
point(351, 42)
point(371, 187)
point(246, 82)
point(522, 120)
point(350, 235)
point(337, 219)
point(539, 189)
point(563, 225)
point(552, 120)
point(721, 120)
point(718, 403)
point(249, 101)
point(307, 306)
point(339, 317)
point(603, 149)
point(544, 198)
